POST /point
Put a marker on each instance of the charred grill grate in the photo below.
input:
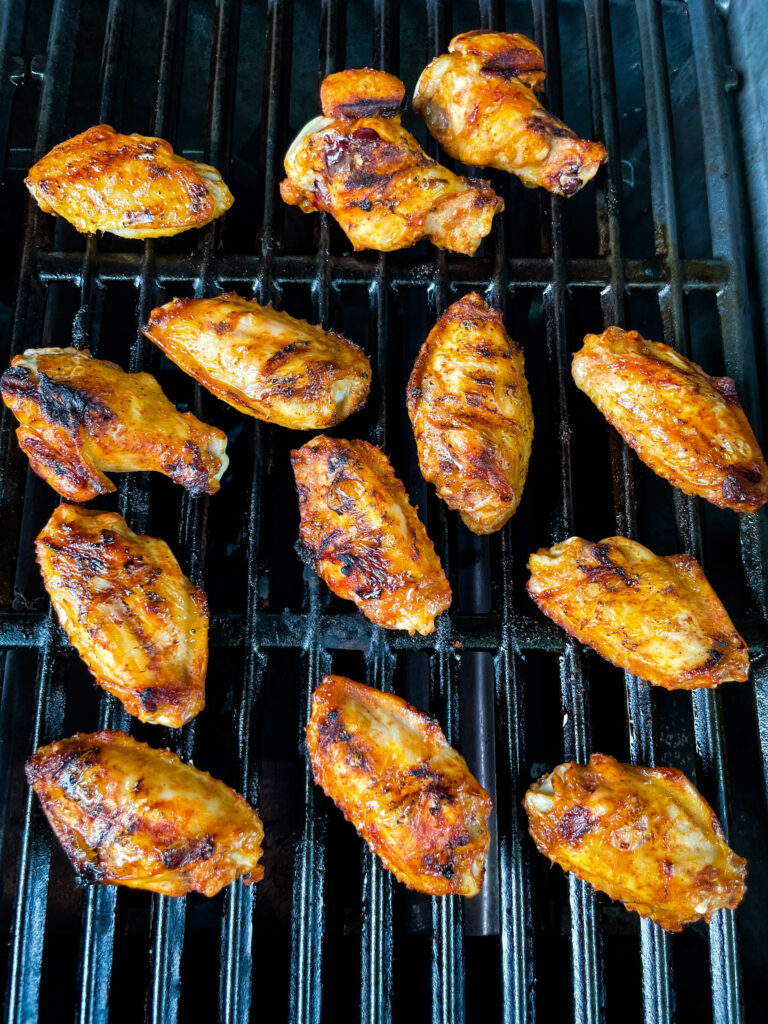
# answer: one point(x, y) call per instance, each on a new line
point(657, 244)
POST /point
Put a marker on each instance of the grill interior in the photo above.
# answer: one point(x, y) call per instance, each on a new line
point(657, 244)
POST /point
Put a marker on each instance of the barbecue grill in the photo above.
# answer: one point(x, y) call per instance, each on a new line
point(657, 243)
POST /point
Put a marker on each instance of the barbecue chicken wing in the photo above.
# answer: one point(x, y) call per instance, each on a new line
point(478, 101)
point(657, 617)
point(127, 814)
point(136, 620)
point(360, 165)
point(265, 363)
point(81, 415)
point(471, 413)
point(644, 836)
point(363, 537)
point(389, 769)
point(687, 426)
point(132, 185)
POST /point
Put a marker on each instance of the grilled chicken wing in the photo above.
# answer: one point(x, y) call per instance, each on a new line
point(363, 537)
point(478, 101)
point(389, 769)
point(265, 363)
point(137, 622)
point(687, 426)
point(359, 164)
point(132, 185)
point(127, 814)
point(471, 413)
point(644, 836)
point(81, 415)
point(657, 617)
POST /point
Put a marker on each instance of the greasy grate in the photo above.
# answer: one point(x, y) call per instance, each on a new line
point(657, 244)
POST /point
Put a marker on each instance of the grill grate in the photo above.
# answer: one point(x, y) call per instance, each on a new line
point(327, 935)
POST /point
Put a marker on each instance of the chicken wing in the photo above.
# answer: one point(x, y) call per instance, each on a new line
point(265, 363)
point(363, 537)
point(471, 413)
point(389, 769)
point(81, 415)
point(657, 617)
point(478, 101)
point(127, 814)
point(360, 165)
point(137, 622)
point(132, 185)
point(687, 426)
point(644, 836)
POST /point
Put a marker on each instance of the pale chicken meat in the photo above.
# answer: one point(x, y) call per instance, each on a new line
point(81, 417)
point(687, 426)
point(390, 770)
point(128, 814)
point(362, 535)
point(471, 413)
point(644, 836)
point(137, 622)
point(479, 102)
point(134, 186)
point(359, 164)
point(657, 617)
point(263, 362)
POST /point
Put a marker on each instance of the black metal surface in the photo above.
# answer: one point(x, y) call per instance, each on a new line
point(657, 243)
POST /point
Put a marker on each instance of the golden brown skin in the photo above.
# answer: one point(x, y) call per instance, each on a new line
point(136, 620)
point(132, 185)
point(657, 617)
point(687, 426)
point(127, 814)
point(363, 537)
point(389, 769)
point(265, 363)
point(478, 101)
point(471, 413)
point(644, 836)
point(360, 165)
point(81, 415)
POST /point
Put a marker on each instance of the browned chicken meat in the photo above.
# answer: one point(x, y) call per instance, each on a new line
point(687, 426)
point(471, 413)
point(389, 769)
point(132, 185)
point(657, 617)
point(80, 416)
point(363, 536)
point(127, 814)
point(136, 620)
point(265, 363)
point(478, 101)
point(644, 836)
point(359, 164)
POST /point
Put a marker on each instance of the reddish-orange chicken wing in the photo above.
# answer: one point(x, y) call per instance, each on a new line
point(644, 836)
point(390, 770)
point(127, 814)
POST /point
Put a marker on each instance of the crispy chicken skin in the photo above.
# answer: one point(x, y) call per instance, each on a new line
point(359, 164)
point(136, 620)
point(127, 814)
point(687, 426)
point(81, 415)
point(644, 836)
point(389, 769)
point(132, 185)
point(657, 617)
point(471, 413)
point(478, 101)
point(265, 363)
point(363, 537)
